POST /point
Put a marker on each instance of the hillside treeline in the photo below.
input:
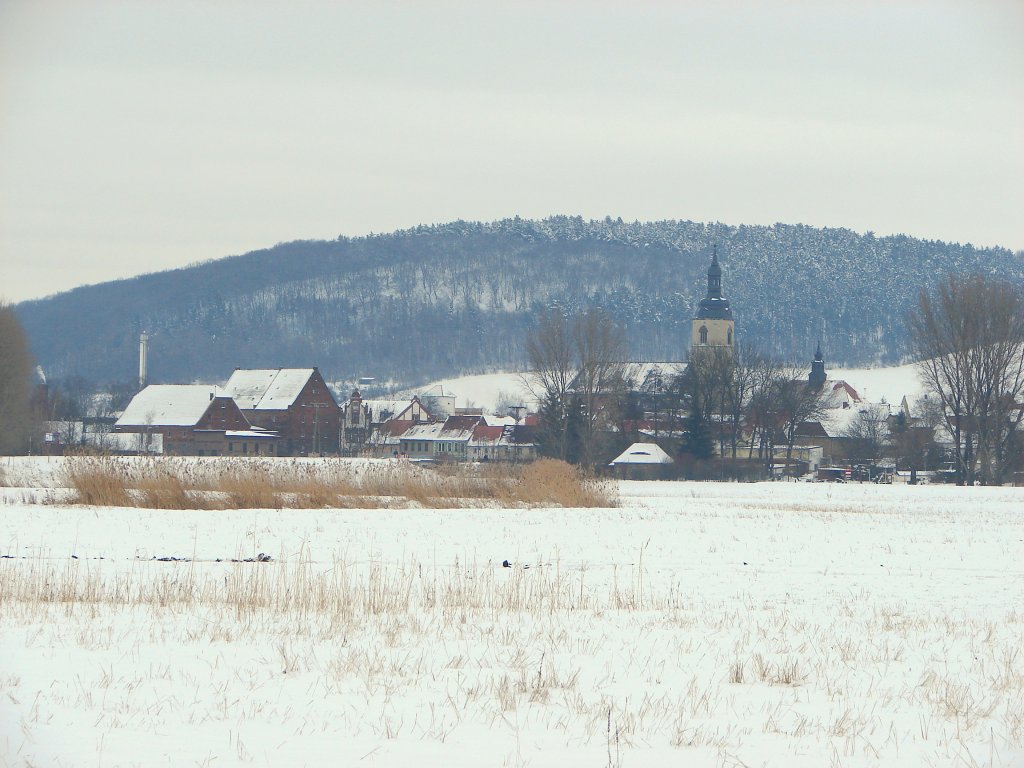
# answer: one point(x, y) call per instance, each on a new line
point(433, 301)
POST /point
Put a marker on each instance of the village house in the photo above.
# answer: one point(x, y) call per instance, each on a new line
point(504, 440)
point(194, 420)
point(390, 419)
point(441, 441)
point(293, 402)
point(355, 422)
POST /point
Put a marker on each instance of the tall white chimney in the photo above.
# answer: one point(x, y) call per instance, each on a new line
point(143, 352)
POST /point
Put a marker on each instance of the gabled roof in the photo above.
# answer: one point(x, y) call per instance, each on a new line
point(836, 392)
point(424, 431)
point(453, 428)
point(461, 423)
point(169, 405)
point(267, 389)
point(486, 434)
point(642, 453)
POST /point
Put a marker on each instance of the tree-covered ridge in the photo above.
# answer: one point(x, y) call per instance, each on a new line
point(459, 297)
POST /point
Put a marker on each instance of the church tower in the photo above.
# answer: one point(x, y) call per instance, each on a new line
point(816, 378)
point(713, 325)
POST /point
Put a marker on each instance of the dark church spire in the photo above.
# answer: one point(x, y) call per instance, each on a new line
point(817, 376)
point(714, 306)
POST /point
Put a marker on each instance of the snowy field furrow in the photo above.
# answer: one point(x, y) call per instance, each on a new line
point(780, 624)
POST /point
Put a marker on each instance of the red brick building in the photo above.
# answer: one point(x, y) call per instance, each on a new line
point(294, 402)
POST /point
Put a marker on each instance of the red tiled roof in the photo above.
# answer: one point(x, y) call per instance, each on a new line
point(460, 423)
point(395, 427)
point(485, 432)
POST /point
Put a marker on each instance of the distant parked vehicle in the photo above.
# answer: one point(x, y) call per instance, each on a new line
point(832, 475)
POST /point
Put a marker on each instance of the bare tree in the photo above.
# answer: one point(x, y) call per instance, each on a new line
point(602, 378)
point(578, 372)
point(552, 369)
point(867, 433)
point(739, 389)
point(795, 402)
point(15, 384)
point(762, 413)
point(968, 341)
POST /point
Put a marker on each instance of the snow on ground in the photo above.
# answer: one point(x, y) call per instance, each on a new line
point(872, 384)
point(482, 390)
point(699, 624)
point(875, 384)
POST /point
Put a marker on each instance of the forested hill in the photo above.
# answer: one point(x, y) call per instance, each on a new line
point(433, 301)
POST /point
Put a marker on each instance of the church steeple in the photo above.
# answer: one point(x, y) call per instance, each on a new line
point(714, 305)
point(714, 275)
point(713, 325)
point(816, 378)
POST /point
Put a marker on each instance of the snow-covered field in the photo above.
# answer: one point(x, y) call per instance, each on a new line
point(785, 624)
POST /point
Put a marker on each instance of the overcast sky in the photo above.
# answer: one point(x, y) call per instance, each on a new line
point(140, 136)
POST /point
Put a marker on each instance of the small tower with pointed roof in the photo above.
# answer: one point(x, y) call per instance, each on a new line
point(713, 326)
point(816, 378)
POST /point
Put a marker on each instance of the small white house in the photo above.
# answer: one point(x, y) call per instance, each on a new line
point(641, 460)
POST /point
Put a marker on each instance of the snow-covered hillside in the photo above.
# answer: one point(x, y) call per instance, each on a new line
point(463, 296)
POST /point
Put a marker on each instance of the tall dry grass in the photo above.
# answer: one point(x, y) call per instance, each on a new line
point(269, 484)
point(98, 483)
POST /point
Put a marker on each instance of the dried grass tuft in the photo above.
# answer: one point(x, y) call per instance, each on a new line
point(549, 482)
point(98, 482)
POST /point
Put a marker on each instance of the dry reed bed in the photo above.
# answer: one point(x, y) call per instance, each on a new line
point(303, 587)
point(327, 483)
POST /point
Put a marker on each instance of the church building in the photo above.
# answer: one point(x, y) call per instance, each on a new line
point(713, 326)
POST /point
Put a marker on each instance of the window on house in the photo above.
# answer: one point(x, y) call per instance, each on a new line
point(703, 334)
point(231, 447)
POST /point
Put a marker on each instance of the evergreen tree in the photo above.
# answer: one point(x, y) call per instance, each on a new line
point(697, 441)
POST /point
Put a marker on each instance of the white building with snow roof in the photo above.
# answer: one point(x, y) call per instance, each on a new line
point(194, 420)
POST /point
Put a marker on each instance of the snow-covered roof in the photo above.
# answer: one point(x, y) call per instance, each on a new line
point(169, 405)
point(643, 453)
point(430, 431)
point(836, 422)
point(453, 428)
point(665, 369)
point(837, 391)
point(493, 420)
point(267, 389)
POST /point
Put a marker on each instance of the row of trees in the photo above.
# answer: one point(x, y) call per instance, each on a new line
point(588, 395)
point(968, 339)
